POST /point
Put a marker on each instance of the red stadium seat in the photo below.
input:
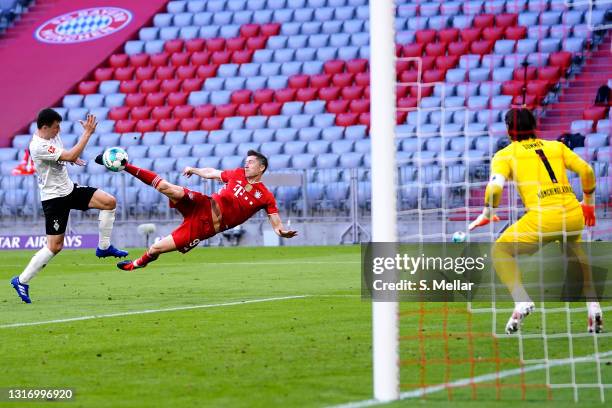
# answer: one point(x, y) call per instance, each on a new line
point(433, 75)
point(333, 67)
point(512, 87)
point(248, 109)
point(519, 74)
point(270, 29)
point(170, 85)
point(516, 33)
point(562, 59)
point(551, 74)
point(168, 125)
point(182, 111)
point(407, 103)
point(204, 111)
point(366, 92)
point(256, 43)
point(184, 72)
point(402, 65)
point(365, 119)
point(104, 74)
point(200, 58)
point(482, 47)
point(143, 73)
point(401, 91)
point(329, 93)
point(298, 81)
point(595, 113)
point(241, 96)
point(320, 80)
point(206, 71)
point(118, 60)
point(435, 49)
point(140, 112)
point(413, 50)
point(337, 106)
point(165, 72)
point(221, 57)
point(271, 108)
point(352, 92)
point(215, 44)
point(242, 56)
point(129, 87)
point(284, 95)
point(135, 99)
point(156, 99)
point(195, 44)
point(458, 48)
point(179, 58)
point(425, 36)
point(398, 50)
point(124, 73)
point(161, 112)
point(192, 84)
point(483, 20)
point(342, 79)
point(226, 110)
point(470, 34)
point(263, 95)
point(172, 46)
point(150, 85)
point(306, 94)
point(425, 91)
point(493, 33)
point(530, 100)
point(88, 87)
point(400, 117)
point(139, 60)
point(177, 98)
point(362, 79)
point(160, 59)
point(211, 124)
point(119, 113)
point(235, 44)
point(448, 35)
point(189, 124)
point(538, 88)
point(360, 106)
point(506, 20)
point(427, 62)
point(249, 30)
point(125, 125)
point(447, 62)
point(357, 66)
point(146, 125)
point(409, 76)
point(346, 119)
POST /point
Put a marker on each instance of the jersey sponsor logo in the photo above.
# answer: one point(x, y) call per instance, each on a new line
point(83, 25)
point(239, 190)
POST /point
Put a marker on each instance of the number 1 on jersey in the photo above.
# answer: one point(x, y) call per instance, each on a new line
point(549, 169)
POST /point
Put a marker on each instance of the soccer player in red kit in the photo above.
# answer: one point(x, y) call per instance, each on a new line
point(242, 196)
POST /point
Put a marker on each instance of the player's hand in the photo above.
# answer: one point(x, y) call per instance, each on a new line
point(188, 171)
point(483, 219)
point(90, 124)
point(589, 214)
point(286, 233)
point(80, 162)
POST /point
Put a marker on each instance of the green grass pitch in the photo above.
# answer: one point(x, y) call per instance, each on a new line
point(313, 350)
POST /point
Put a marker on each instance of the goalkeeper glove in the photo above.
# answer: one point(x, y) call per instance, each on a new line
point(483, 219)
point(588, 209)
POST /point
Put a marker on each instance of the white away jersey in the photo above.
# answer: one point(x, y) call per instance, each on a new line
point(53, 179)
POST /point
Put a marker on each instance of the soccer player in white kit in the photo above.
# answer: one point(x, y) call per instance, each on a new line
point(59, 195)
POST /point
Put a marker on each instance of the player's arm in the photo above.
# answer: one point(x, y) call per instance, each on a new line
point(89, 127)
point(205, 172)
point(587, 178)
point(277, 225)
point(500, 171)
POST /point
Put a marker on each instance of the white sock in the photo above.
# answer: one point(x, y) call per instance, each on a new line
point(38, 261)
point(519, 294)
point(593, 307)
point(105, 228)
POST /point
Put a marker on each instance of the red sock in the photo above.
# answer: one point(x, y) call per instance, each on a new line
point(144, 260)
point(146, 176)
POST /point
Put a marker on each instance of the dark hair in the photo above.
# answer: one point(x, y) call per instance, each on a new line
point(521, 124)
point(47, 117)
point(263, 160)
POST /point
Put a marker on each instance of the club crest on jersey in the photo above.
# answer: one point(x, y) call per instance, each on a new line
point(83, 25)
point(258, 194)
point(56, 225)
point(51, 149)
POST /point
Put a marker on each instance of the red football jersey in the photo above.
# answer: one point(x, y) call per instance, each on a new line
point(239, 199)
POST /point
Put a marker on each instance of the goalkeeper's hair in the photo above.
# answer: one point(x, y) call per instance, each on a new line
point(47, 117)
point(521, 124)
point(263, 160)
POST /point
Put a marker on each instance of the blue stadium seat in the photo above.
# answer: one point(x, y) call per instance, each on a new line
point(318, 147)
point(269, 69)
point(148, 33)
point(292, 108)
point(286, 135)
point(342, 146)
point(301, 121)
point(263, 135)
point(243, 148)
point(271, 149)
point(210, 162)
point(218, 136)
point(351, 160)
point(277, 122)
point(295, 41)
point(324, 120)
point(233, 123)
point(241, 136)
point(294, 147)
point(277, 82)
point(8, 153)
point(256, 82)
point(303, 55)
point(202, 150)
point(256, 122)
point(164, 164)
point(309, 134)
point(180, 150)
point(348, 53)
point(312, 67)
point(332, 133)
point(225, 149)
point(232, 162)
point(279, 161)
point(291, 68)
point(249, 70)
point(302, 161)
point(337, 193)
point(262, 16)
point(326, 53)
point(154, 46)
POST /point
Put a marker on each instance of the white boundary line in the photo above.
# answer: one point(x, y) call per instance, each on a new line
point(101, 263)
point(148, 311)
point(475, 380)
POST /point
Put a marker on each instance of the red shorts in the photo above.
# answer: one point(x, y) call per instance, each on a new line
point(198, 222)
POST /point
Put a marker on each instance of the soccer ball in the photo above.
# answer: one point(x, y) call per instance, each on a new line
point(459, 236)
point(115, 158)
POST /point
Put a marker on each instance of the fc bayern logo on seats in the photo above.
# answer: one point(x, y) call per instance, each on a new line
point(83, 25)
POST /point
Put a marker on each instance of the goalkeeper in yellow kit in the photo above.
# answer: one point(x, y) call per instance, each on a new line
point(538, 167)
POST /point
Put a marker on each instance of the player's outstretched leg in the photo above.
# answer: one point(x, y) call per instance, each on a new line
point(162, 246)
point(146, 176)
point(521, 310)
point(595, 317)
